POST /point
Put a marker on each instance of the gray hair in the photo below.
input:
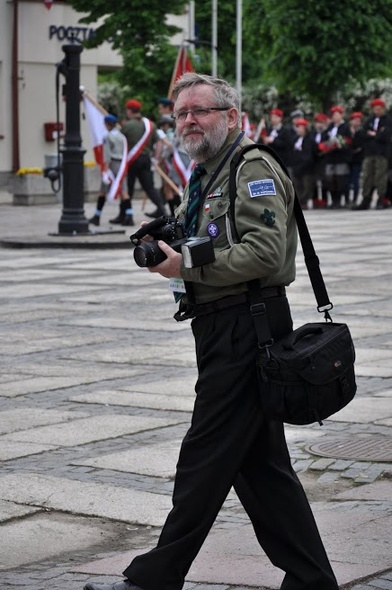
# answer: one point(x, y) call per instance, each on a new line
point(225, 95)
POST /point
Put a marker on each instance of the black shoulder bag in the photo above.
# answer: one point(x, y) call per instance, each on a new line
point(309, 374)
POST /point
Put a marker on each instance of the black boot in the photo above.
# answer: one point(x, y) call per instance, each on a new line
point(364, 204)
point(95, 220)
point(121, 215)
point(128, 220)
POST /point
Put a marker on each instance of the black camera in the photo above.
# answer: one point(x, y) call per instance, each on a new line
point(195, 251)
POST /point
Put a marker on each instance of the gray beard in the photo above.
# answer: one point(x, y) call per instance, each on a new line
point(208, 147)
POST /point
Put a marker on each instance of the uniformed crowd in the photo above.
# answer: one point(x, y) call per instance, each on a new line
point(334, 160)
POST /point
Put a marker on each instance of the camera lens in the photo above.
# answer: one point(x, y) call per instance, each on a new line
point(148, 254)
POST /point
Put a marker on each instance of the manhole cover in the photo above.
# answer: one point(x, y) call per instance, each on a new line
point(362, 448)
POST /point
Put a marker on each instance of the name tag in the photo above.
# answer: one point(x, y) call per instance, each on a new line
point(262, 188)
point(177, 285)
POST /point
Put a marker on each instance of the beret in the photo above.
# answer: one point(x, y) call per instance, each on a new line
point(110, 119)
point(320, 117)
point(277, 112)
point(377, 102)
point(165, 101)
point(301, 122)
point(356, 115)
point(133, 104)
point(337, 109)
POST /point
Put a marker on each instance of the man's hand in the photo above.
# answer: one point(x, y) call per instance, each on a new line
point(169, 268)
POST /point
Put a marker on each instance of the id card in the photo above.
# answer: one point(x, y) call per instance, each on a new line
point(177, 285)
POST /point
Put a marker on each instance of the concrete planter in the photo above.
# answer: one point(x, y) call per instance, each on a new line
point(34, 189)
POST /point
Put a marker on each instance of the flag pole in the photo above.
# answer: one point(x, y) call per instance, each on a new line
point(239, 51)
point(214, 38)
point(85, 93)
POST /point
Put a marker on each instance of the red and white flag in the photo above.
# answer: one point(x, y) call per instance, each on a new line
point(95, 114)
point(48, 4)
point(183, 64)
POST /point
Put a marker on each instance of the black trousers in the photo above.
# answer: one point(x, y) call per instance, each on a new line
point(141, 170)
point(230, 444)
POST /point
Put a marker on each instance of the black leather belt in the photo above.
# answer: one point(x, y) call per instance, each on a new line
point(116, 159)
point(231, 300)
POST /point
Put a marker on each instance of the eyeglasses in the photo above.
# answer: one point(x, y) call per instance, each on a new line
point(197, 113)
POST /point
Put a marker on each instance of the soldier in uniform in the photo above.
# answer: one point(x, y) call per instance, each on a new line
point(230, 442)
point(113, 153)
point(376, 150)
point(142, 136)
point(278, 136)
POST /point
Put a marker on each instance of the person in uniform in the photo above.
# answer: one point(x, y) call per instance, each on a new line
point(320, 197)
point(142, 136)
point(356, 155)
point(113, 153)
point(334, 144)
point(230, 442)
point(376, 149)
point(278, 136)
point(303, 163)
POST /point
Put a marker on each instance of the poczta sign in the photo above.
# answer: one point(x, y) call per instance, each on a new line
point(70, 33)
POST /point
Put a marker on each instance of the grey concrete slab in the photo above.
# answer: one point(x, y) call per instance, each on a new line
point(182, 386)
point(364, 409)
point(88, 499)
point(138, 400)
point(14, 450)
point(23, 418)
point(10, 510)
point(25, 345)
point(38, 290)
point(86, 430)
point(44, 536)
point(144, 354)
point(37, 384)
point(157, 460)
point(380, 491)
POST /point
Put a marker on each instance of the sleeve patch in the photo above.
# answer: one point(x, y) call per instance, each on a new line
point(262, 188)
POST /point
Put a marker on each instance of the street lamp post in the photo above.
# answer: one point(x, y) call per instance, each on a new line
point(73, 220)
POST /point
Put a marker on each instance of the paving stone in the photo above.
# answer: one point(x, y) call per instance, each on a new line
point(23, 418)
point(84, 430)
point(88, 499)
point(158, 460)
point(365, 409)
point(135, 399)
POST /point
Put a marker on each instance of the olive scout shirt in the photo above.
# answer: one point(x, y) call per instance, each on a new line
point(265, 223)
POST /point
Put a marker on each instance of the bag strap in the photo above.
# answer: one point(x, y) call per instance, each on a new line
point(312, 262)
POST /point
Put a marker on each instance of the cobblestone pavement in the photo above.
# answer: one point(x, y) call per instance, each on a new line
point(96, 389)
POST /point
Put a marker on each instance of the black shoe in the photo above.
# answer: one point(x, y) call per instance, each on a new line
point(155, 214)
point(119, 219)
point(383, 204)
point(128, 220)
point(95, 220)
point(361, 207)
point(123, 585)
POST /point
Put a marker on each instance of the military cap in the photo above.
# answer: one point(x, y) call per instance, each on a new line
point(110, 119)
point(377, 102)
point(303, 122)
point(356, 115)
point(320, 118)
point(277, 112)
point(297, 113)
point(337, 109)
point(133, 104)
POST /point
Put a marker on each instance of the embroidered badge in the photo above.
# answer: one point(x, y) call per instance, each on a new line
point(207, 207)
point(217, 193)
point(268, 217)
point(213, 230)
point(262, 188)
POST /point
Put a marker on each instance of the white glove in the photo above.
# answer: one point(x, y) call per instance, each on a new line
point(105, 177)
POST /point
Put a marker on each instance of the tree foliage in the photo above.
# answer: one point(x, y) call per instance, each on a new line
point(140, 32)
point(310, 51)
point(319, 48)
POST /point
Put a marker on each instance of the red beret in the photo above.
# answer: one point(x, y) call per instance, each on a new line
point(377, 102)
point(337, 109)
point(321, 117)
point(133, 104)
point(356, 115)
point(277, 112)
point(301, 122)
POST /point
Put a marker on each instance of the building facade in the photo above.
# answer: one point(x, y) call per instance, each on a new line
point(31, 40)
